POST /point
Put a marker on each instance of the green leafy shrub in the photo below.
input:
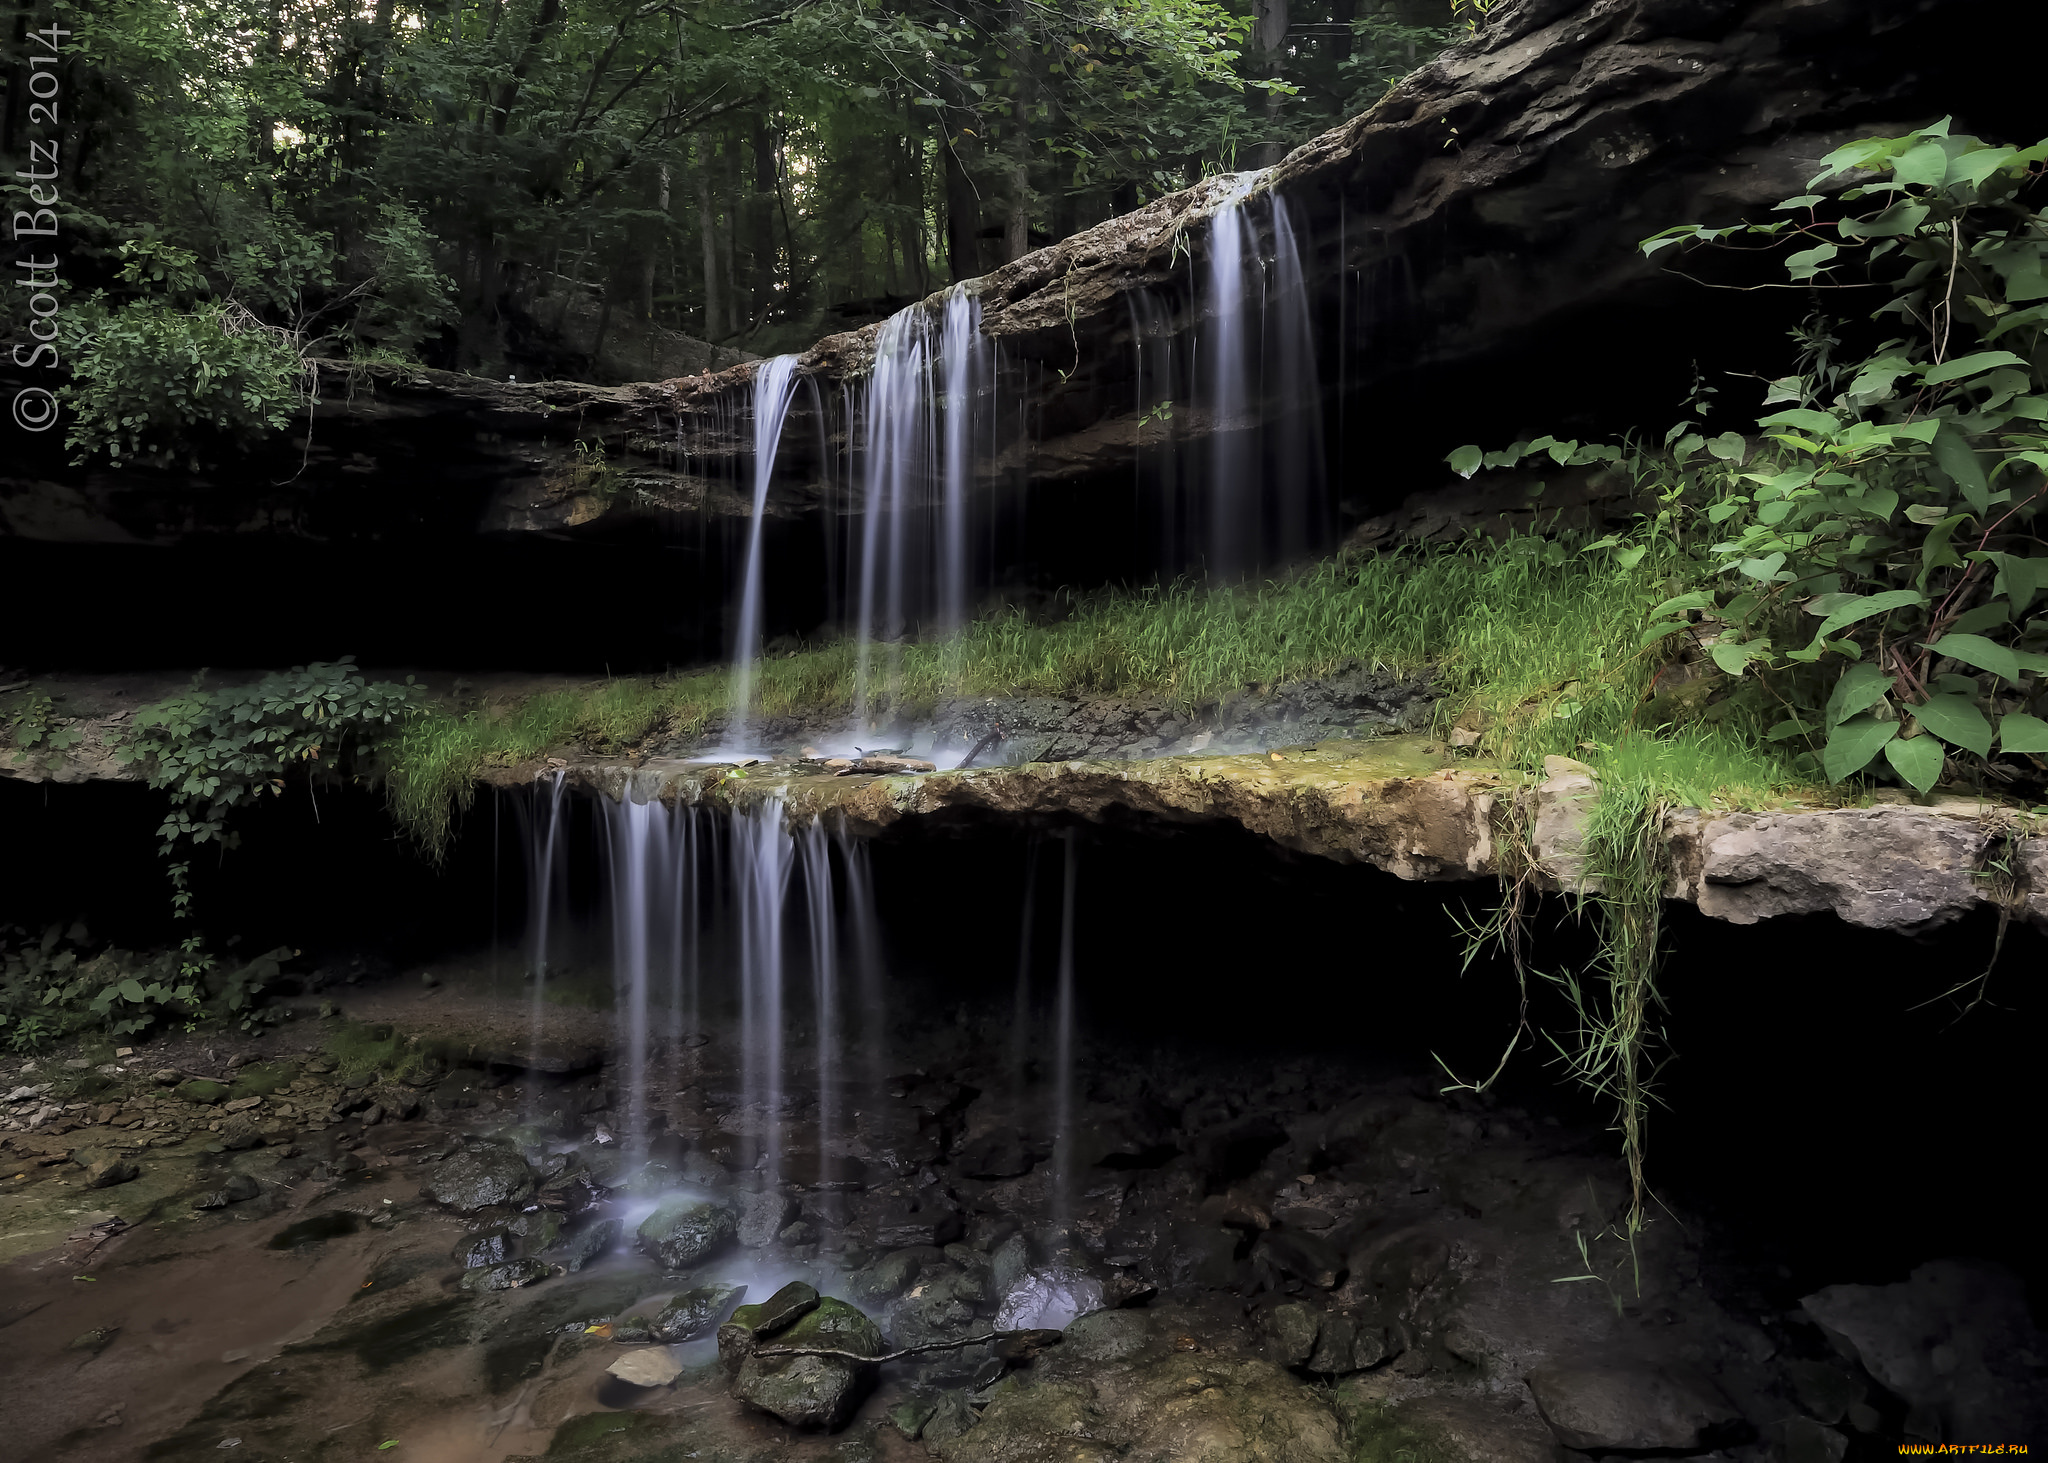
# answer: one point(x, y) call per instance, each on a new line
point(149, 374)
point(1870, 566)
point(52, 987)
point(227, 748)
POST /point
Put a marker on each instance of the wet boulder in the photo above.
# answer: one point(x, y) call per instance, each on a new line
point(1048, 1298)
point(586, 1242)
point(505, 1275)
point(762, 1217)
point(683, 1231)
point(805, 1391)
point(238, 1188)
point(694, 1312)
point(478, 1179)
point(1595, 1408)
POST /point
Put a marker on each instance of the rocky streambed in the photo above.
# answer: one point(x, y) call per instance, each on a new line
point(430, 1237)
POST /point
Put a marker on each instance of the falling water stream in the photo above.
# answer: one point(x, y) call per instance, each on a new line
point(774, 386)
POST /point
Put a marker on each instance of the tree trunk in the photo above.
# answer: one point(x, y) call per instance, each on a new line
point(963, 214)
point(707, 229)
point(654, 242)
point(1269, 39)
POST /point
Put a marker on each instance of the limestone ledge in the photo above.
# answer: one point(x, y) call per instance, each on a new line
point(1401, 804)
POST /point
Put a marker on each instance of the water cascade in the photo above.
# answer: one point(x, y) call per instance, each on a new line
point(739, 913)
point(774, 386)
point(1259, 361)
point(547, 857)
point(919, 423)
point(762, 861)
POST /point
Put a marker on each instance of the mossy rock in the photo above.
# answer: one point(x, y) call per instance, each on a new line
point(683, 1231)
point(811, 1391)
point(1435, 1429)
point(202, 1091)
point(262, 1079)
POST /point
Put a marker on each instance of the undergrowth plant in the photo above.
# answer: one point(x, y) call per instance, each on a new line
point(217, 750)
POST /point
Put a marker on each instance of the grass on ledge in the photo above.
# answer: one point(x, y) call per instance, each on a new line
point(1529, 640)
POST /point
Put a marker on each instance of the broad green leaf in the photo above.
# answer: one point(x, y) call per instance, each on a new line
point(1804, 418)
point(1807, 263)
point(1898, 220)
point(1699, 599)
point(1981, 618)
point(1955, 719)
point(1852, 744)
point(1661, 629)
point(1729, 447)
point(2018, 732)
point(132, 989)
point(1466, 460)
point(1861, 687)
point(1923, 166)
point(1916, 759)
point(1986, 655)
point(1767, 568)
point(1973, 364)
point(1732, 657)
point(1864, 606)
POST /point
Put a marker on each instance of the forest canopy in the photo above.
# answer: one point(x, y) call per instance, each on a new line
point(446, 180)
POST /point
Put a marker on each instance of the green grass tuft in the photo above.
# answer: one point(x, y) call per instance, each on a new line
point(1528, 639)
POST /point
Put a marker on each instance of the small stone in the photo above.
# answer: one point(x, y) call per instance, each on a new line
point(238, 1188)
point(650, 1366)
point(240, 1132)
point(165, 1077)
point(104, 1173)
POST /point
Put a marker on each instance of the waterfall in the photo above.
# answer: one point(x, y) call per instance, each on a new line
point(734, 911)
point(1233, 482)
point(915, 557)
point(1265, 500)
point(1063, 1047)
point(547, 858)
point(774, 386)
point(762, 862)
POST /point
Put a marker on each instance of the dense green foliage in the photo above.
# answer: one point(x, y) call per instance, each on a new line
point(63, 983)
point(441, 181)
point(1864, 574)
point(214, 751)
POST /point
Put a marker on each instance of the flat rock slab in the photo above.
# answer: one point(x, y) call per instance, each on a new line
point(1406, 805)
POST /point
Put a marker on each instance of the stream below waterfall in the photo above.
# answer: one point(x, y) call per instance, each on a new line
point(499, 1201)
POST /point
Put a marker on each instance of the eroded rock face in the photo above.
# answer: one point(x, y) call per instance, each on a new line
point(1953, 1341)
